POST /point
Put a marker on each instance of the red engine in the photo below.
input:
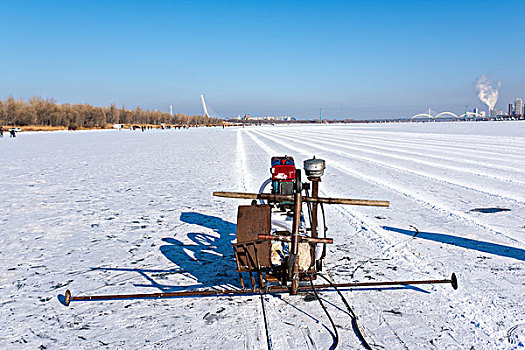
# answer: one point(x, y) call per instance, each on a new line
point(283, 175)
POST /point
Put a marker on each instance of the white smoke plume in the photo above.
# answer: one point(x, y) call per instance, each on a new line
point(486, 92)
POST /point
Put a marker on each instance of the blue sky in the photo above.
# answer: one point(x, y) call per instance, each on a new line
point(368, 59)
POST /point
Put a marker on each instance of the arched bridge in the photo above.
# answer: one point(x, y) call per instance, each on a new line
point(446, 115)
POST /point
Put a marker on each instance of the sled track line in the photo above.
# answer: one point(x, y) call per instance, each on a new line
point(403, 191)
point(406, 150)
point(499, 142)
point(399, 189)
point(241, 161)
point(270, 151)
point(426, 144)
point(389, 154)
point(429, 176)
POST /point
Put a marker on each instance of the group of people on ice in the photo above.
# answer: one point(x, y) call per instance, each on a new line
point(12, 132)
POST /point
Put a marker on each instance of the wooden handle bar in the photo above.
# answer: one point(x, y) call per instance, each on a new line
point(281, 197)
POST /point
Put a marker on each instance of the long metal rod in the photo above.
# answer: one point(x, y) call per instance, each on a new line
point(290, 198)
point(315, 194)
point(296, 223)
point(271, 290)
point(293, 263)
point(301, 239)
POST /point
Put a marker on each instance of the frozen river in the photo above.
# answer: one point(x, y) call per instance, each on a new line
point(103, 212)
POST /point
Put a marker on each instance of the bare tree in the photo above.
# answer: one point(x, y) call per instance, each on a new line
point(46, 112)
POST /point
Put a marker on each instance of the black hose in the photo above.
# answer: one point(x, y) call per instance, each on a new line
point(336, 337)
point(268, 341)
point(352, 314)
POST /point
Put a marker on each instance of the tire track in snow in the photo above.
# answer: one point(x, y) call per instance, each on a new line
point(454, 142)
point(504, 143)
point(434, 177)
point(421, 140)
point(405, 150)
point(406, 192)
point(241, 162)
point(424, 142)
point(478, 188)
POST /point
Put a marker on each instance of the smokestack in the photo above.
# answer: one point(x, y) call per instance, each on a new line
point(487, 93)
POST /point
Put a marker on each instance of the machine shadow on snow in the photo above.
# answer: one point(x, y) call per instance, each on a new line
point(485, 247)
point(210, 260)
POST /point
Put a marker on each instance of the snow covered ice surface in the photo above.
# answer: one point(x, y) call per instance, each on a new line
point(104, 212)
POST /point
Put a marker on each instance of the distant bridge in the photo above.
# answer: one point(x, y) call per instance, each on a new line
point(208, 111)
point(446, 115)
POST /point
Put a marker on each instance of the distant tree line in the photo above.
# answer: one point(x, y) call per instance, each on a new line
point(46, 112)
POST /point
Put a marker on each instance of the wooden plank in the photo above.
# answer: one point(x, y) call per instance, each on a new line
point(253, 220)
